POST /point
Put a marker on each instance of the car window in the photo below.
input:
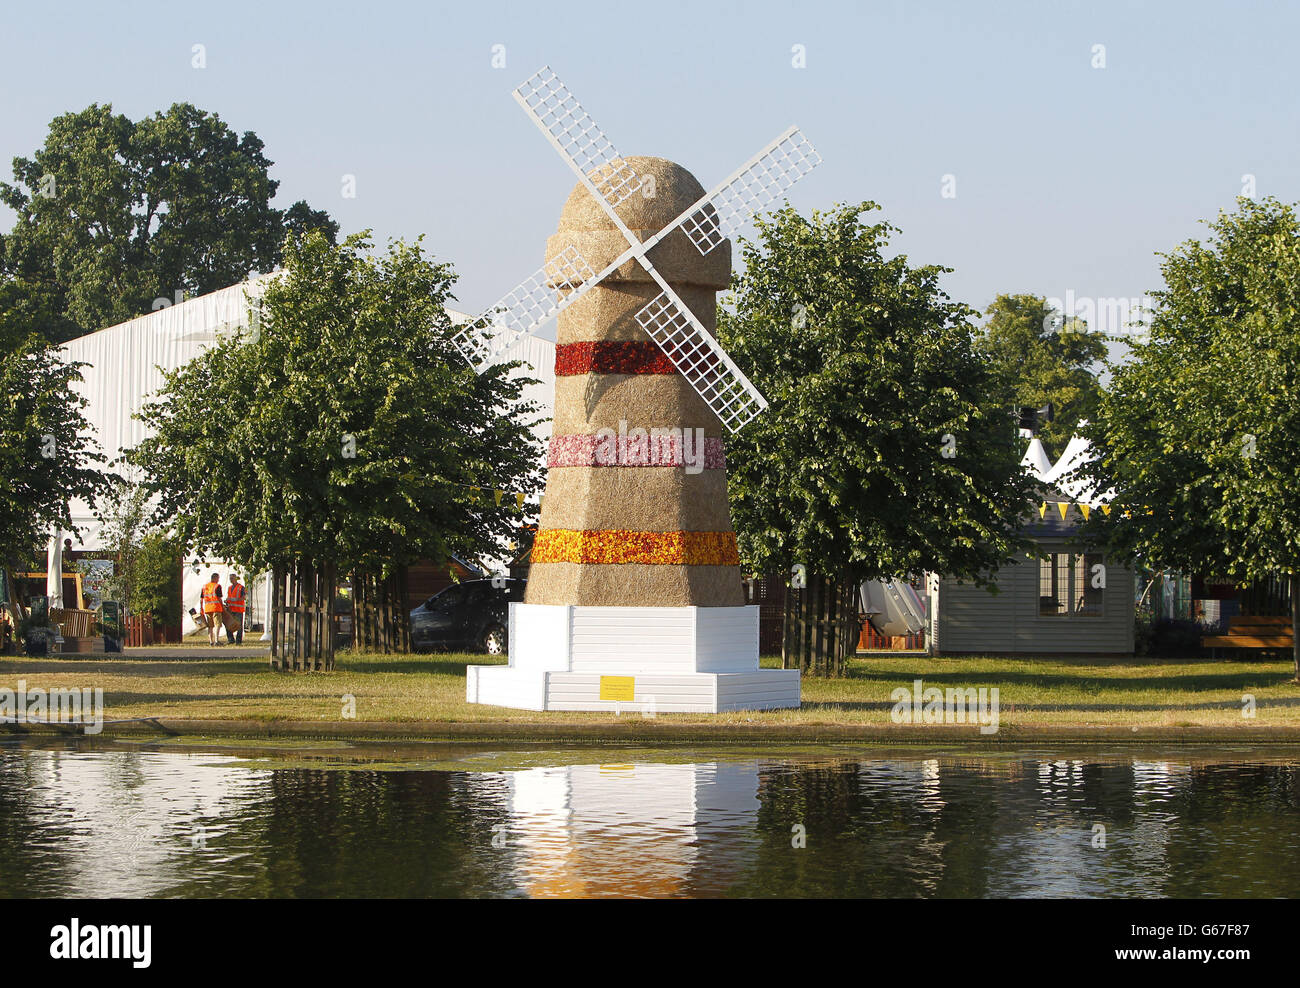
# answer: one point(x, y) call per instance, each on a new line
point(512, 590)
point(449, 599)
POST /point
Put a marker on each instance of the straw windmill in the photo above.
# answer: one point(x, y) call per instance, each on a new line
point(635, 534)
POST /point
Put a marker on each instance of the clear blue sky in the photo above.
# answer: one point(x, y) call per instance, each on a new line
point(1068, 177)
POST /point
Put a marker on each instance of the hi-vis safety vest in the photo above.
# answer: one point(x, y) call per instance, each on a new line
point(211, 600)
point(235, 598)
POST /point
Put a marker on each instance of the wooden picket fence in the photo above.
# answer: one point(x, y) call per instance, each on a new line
point(139, 630)
point(302, 618)
point(822, 627)
point(381, 619)
point(306, 621)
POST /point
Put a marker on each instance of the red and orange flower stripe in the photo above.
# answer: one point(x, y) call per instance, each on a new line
point(558, 545)
point(611, 357)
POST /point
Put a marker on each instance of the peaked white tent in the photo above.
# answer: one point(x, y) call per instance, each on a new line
point(1078, 451)
point(1035, 459)
point(125, 365)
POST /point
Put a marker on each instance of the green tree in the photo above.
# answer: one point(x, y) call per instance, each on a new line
point(1037, 356)
point(113, 214)
point(46, 457)
point(887, 450)
point(1197, 433)
point(158, 579)
point(345, 430)
point(124, 521)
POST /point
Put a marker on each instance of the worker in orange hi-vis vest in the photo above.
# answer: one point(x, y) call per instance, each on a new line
point(235, 611)
point(210, 595)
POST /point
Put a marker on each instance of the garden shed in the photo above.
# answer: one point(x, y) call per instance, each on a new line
point(1065, 599)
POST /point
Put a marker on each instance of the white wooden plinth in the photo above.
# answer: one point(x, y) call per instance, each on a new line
point(678, 660)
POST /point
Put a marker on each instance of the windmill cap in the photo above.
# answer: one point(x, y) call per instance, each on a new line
point(667, 190)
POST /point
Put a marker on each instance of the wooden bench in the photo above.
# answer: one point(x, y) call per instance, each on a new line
point(73, 623)
point(1251, 631)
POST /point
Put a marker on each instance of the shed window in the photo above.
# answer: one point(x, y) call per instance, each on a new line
point(1071, 585)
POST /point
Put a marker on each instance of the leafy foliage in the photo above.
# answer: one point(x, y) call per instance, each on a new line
point(1037, 356)
point(868, 367)
point(1198, 432)
point(113, 214)
point(46, 459)
point(124, 523)
point(1168, 637)
point(344, 429)
point(1200, 427)
point(158, 582)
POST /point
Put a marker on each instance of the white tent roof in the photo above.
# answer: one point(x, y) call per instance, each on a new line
point(1077, 452)
point(1035, 458)
point(126, 364)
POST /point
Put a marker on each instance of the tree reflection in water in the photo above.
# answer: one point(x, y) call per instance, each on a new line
point(108, 821)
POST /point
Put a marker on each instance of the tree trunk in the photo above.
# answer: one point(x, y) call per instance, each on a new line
point(277, 601)
point(331, 589)
point(821, 627)
point(1295, 623)
point(789, 657)
point(302, 617)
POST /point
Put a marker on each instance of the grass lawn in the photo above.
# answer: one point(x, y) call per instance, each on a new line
point(431, 689)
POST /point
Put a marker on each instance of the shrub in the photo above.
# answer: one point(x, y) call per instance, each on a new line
point(158, 580)
point(1168, 638)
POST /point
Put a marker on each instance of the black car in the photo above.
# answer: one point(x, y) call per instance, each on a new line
point(470, 616)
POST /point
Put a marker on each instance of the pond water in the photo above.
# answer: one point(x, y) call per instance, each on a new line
point(78, 819)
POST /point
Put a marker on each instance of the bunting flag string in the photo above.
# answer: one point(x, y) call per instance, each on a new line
point(520, 498)
point(1085, 509)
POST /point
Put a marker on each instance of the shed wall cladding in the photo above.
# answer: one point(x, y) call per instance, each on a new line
point(972, 620)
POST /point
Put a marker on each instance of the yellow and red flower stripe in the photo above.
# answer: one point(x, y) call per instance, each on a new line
point(560, 545)
point(611, 357)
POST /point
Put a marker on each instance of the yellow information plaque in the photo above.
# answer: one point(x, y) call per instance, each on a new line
point(619, 688)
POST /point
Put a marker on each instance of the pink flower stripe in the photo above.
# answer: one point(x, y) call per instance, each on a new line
point(636, 450)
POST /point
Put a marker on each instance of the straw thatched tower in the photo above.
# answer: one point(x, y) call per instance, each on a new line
point(635, 510)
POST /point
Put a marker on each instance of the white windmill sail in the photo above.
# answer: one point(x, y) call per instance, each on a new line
point(525, 308)
point(749, 190)
point(700, 360)
point(573, 133)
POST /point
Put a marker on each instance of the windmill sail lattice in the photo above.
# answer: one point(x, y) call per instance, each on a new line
point(708, 369)
point(754, 187)
point(523, 309)
point(575, 135)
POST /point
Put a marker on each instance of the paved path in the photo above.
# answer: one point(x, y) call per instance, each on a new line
point(162, 653)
